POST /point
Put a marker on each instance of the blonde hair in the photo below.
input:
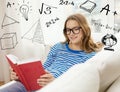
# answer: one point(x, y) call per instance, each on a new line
point(87, 43)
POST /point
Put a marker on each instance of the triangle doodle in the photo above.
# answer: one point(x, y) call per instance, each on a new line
point(35, 33)
point(8, 21)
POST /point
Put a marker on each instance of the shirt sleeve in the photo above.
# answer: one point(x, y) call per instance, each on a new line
point(51, 56)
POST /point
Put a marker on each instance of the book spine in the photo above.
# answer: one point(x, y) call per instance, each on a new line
point(22, 79)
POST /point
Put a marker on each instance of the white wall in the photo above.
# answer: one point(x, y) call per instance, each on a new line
point(26, 48)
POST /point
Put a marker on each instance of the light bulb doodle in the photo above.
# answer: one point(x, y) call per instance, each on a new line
point(24, 9)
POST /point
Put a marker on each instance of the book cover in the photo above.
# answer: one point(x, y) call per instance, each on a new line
point(28, 72)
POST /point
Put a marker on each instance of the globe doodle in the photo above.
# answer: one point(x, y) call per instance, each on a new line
point(109, 40)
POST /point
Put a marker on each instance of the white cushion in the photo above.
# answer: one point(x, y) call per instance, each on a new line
point(108, 63)
point(115, 87)
point(79, 78)
point(109, 70)
point(110, 67)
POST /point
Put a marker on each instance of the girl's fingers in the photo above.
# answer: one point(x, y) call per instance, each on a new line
point(42, 82)
point(13, 75)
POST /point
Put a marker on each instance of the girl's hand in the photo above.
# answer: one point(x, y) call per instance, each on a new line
point(13, 75)
point(45, 79)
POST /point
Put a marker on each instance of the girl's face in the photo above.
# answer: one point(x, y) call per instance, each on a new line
point(74, 32)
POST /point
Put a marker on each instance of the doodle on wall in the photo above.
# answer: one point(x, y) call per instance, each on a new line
point(97, 28)
point(35, 33)
point(8, 41)
point(52, 21)
point(22, 7)
point(88, 6)
point(46, 9)
point(109, 40)
point(62, 2)
point(98, 25)
point(107, 9)
point(10, 4)
point(24, 10)
point(38, 35)
point(8, 21)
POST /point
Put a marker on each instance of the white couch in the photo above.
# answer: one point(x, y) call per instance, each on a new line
point(99, 74)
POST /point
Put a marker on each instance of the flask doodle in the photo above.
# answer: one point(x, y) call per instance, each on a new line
point(24, 9)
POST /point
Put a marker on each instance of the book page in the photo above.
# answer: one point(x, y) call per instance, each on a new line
point(13, 58)
point(16, 60)
point(28, 60)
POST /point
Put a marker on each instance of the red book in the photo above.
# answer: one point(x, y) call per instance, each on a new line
point(28, 71)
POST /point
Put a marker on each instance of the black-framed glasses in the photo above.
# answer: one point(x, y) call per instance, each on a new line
point(75, 30)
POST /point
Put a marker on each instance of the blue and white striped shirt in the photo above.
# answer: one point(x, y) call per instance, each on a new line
point(61, 58)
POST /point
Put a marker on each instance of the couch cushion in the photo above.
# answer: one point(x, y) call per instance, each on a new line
point(108, 63)
point(79, 78)
point(115, 87)
point(110, 67)
point(109, 70)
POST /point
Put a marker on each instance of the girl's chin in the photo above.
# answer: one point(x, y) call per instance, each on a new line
point(74, 42)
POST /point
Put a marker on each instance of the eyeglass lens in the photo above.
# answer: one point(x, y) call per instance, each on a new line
point(74, 30)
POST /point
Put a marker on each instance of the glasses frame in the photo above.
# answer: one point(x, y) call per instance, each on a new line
point(75, 30)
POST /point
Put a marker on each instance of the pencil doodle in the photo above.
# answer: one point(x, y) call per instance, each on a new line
point(8, 41)
point(35, 33)
point(107, 8)
point(109, 40)
point(25, 9)
point(52, 21)
point(46, 9)
point(88, 6)
point(62, 2)
point(8, 21)
point(10, 4)
point(97, 28)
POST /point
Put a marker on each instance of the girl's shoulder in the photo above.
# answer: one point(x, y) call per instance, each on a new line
point(59, 45)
